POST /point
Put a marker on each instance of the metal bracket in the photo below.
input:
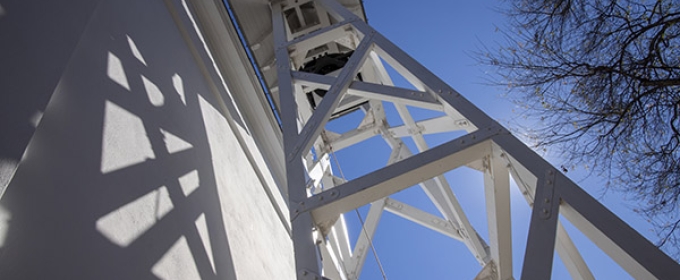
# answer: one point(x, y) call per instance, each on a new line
point(486, 164)
point(545, 202)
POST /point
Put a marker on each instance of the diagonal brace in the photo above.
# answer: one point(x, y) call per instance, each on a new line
point(398, 176)
point(323, 112)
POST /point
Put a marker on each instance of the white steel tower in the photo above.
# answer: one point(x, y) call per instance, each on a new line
point(326, 61)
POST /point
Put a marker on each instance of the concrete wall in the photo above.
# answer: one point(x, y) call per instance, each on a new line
point(134, 157)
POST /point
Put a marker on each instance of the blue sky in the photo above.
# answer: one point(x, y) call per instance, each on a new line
point(443, 35)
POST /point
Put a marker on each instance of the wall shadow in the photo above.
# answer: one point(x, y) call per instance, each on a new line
point(25, 56)
point(87, 161)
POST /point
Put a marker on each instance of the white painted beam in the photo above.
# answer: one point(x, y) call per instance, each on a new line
point(431, 126)
point(565, 248)
point(497, 193)
point(398, 176)
point(540, 249)
point(422, 218)
point(442, 195)
point(330, 262)
point(331, 100)
point(634, 253)
point(352, 137)
point(363, 245)
point(372, 91)
point(306, 260)
point(623, 244)
point(572, 259)
point(319, 37)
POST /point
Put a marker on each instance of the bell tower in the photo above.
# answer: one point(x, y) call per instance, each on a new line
point(326, 62)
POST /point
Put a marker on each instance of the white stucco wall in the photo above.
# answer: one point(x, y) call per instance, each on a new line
point(143, 165)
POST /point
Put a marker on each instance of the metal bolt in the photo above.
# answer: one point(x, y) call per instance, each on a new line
point(546, 200)
point(545, 211)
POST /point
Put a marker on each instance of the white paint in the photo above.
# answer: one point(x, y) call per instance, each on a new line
point(177, 263)
point(255, 224)
point(135, 51)
point(179, 87)
point(173, 143)
point(153, 92)
point(115, 71)
point(125, 224)
point(250, 219)
point(5, 216)
point(163, 202)
point(124, 139)
point(7, 168)
point(189, 182)
point(202, 228)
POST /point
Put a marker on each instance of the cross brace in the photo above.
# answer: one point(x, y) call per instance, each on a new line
point(318, 198)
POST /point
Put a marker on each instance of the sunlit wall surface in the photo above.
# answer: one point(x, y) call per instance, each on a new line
point(129, 154)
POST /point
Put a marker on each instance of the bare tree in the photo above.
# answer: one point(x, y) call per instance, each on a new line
point(604, 78)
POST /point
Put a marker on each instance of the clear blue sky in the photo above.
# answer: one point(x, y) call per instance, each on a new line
point(442, 35)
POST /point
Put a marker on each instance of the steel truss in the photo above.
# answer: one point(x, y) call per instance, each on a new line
point(318, 198)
